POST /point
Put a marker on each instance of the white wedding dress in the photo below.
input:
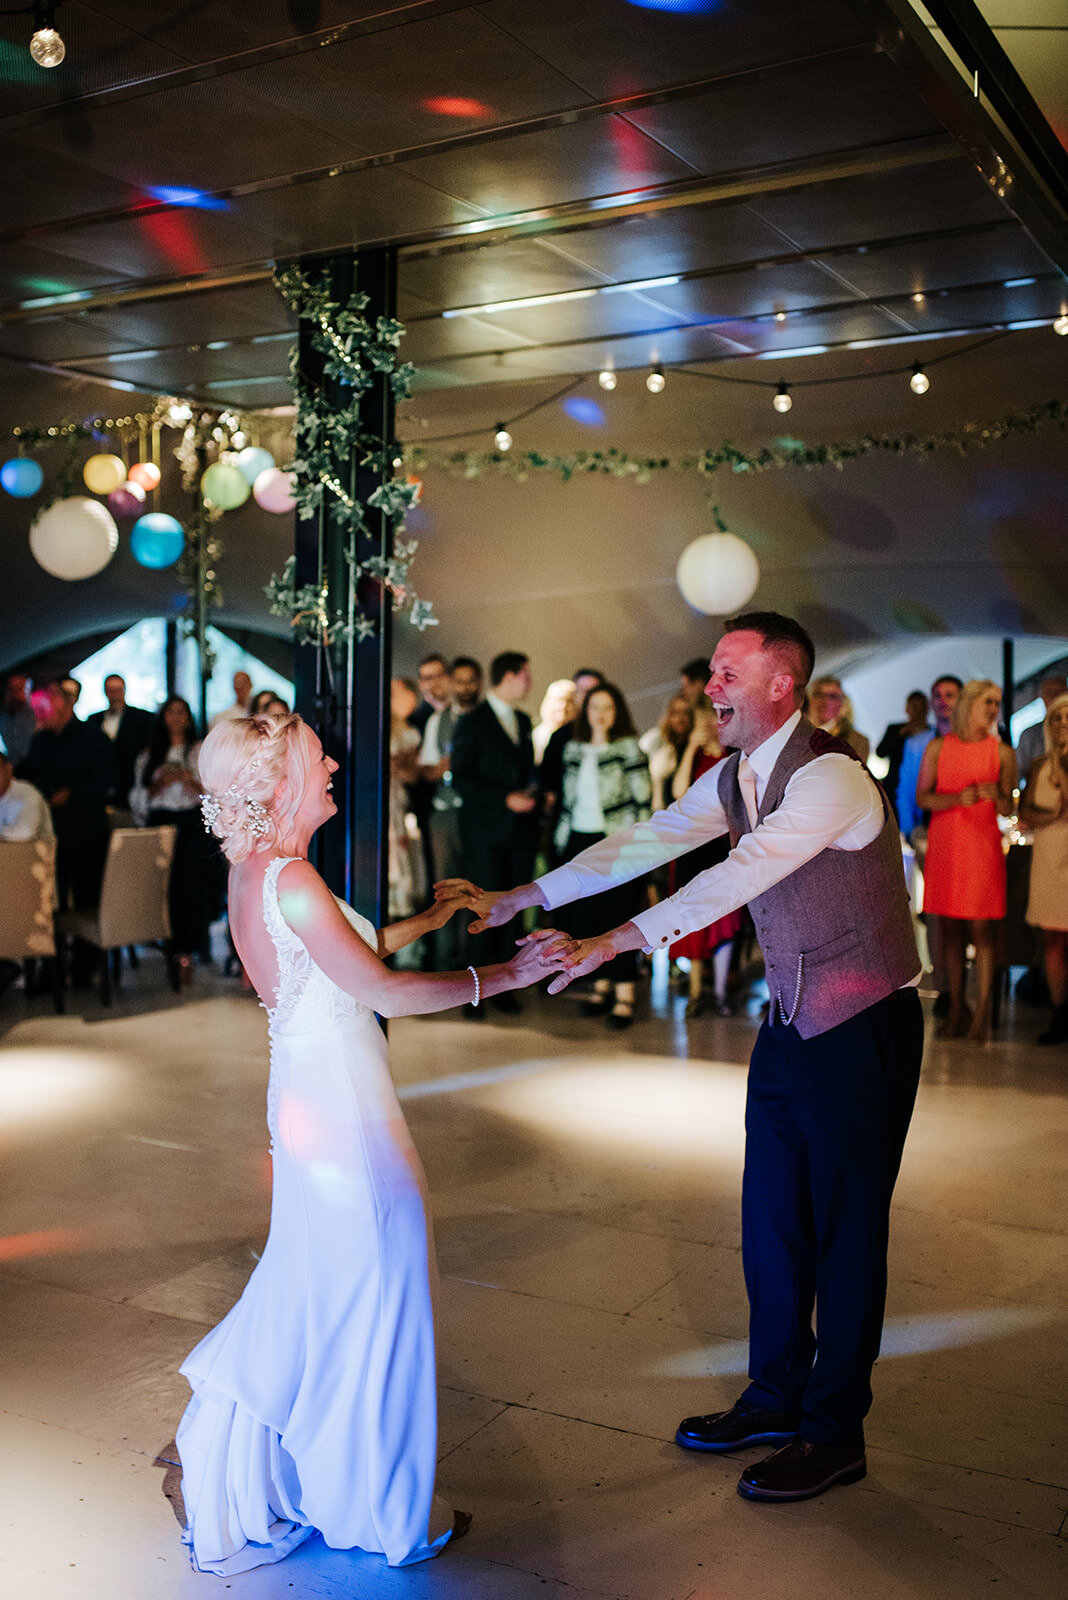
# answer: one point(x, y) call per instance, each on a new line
point(314, 1402)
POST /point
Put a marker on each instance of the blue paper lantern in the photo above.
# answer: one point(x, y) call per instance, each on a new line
point(254, 460)
point(21, 477)
point(157, 540)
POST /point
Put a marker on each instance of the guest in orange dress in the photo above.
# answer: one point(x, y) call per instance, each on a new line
point(713, 943)
point(966, 780)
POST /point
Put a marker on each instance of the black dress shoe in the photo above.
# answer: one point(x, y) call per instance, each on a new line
point(741, 1425)
point(801, 1470)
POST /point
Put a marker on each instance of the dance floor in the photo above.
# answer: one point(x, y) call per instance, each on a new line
point(585, 1188)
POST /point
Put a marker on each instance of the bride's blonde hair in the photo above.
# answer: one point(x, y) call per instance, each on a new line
point(254, 771)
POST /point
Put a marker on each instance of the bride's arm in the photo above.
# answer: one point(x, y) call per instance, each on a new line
point(312, 912)
point(395, 935)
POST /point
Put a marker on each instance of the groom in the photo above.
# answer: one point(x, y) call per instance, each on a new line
point(833, 1075)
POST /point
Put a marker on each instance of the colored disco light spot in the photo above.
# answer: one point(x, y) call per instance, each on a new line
point(194, 198)
point(174, 236)
point(17, 65)
point(448, 105)
point(585, 411)
point(695, 8)
point(49, 1242)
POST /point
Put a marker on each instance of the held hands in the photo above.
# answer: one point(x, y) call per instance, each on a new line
point(492, 908)
point(577, 958)
point(443, 908)
point(537, 954)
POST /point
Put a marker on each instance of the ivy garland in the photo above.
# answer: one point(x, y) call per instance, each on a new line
point(788, 453)
point(354, 351)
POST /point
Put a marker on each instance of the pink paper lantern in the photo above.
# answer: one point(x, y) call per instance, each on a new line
point(146, 473)
point(273, 490)
point(128, 500)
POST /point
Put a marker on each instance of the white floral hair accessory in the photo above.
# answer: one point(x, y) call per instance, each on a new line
point(257, 820)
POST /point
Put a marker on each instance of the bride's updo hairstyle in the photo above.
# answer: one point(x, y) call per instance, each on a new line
point(254, 771)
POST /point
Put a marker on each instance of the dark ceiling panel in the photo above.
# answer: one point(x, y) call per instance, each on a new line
point(48, 183)
point(613, 48)
point(922, 199)
point(574, 319)
point(495, 272)
point(750, 294)
point(101, 54)
point(338, 213)
point(254, 395)
point(449, 336)
point(937, 263)
point(553, 165)
point(804, 113)
point(203, 136)
point(967, 307)
point(801, 331)
point(662, 242)
point(164, 244)
point(28, 272)
point(214, 314)
point(429, 80)
point(56, 339)
point(199, 32)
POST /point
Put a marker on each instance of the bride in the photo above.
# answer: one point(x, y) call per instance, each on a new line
point(314, 1403)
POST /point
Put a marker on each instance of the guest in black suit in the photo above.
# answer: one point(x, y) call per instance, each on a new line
point(129, 730)
point(493, 773)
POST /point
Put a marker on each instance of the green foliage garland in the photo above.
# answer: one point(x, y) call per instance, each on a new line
point(354, 351)
point(621, 464)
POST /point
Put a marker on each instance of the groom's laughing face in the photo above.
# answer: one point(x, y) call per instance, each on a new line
point(748, 690)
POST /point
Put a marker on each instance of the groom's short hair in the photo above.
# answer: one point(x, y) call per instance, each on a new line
point(784, 638)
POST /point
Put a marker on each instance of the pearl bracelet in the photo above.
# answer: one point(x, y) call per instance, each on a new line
point(478, 986)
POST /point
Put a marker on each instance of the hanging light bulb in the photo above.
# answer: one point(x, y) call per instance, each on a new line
point(607, 379)
point(502, 438)
point(919, 383)
point(782, 401)
point(1061, 324)
point(46, 46)
point(655, 381)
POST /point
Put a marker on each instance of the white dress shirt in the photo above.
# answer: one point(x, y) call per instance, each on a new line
point(830, 803)
point(24, 813)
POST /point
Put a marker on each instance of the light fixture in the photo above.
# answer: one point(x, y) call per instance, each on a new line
point(1061, 324)
point(46, 46)
point(782, 401)
point(607, 379)
point(502, 438)
point(919, 383)
point(179, 412)
point(655, 381)
point(780, 316)
point(918, 298)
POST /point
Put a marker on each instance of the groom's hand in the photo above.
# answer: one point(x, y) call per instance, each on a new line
point(580, 957)
point(492, 908)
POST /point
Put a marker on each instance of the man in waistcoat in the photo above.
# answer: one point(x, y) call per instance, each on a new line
point(833, 1076)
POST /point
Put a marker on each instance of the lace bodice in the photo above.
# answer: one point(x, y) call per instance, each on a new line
point(306, 999)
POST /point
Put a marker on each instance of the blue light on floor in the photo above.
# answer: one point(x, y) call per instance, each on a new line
point(580, 409)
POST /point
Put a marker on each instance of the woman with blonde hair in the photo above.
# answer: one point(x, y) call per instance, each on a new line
point(966, 780)
point(1044, 807)
point(314, 1402)
point(558, 708)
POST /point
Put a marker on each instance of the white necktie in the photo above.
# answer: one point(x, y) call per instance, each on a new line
point(747, 784)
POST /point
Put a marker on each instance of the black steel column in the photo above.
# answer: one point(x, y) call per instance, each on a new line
point(342, 689)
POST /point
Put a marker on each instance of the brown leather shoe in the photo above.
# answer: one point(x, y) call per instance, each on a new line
point(801, 1470)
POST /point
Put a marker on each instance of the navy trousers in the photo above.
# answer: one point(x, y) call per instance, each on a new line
point(825, 1124)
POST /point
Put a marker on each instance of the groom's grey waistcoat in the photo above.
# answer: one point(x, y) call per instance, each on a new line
point(836, 934)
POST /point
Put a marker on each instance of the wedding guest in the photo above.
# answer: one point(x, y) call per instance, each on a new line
point(692, 680)
point(407, 884)
point(829, 708)
point(1044, 807)
point(557, 709)
point(434, 689)
point(242, 701)
point(129, 730)
point(945, 692)
point(72, 689)
point(166, 793)
point(966, 780)
point(606, 788)
point(435, 767)
point(551, 766)
point(24, 812)
point(17, 721)
point(1032, 746)
point(493, 773)
point(892, 744)
point(712, 943)
point(673, 735)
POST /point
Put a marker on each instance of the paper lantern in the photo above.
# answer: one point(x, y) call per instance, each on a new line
point(147, 474)
point(273, 490)
point(128, 500)
point(224, 486)
point(21, 477)
point(157, 540)
point(717, 573)
point(252, 461)
point(104, 473)
point(74, 539)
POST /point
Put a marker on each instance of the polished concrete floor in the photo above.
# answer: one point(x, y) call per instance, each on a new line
point(585, 1187)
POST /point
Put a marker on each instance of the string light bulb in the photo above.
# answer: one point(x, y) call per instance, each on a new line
point(607, 379)
point(502, 438)
point(1061, 324)
point(656, 380)
point(919, 383)
point(46, 46)
point(782, 401)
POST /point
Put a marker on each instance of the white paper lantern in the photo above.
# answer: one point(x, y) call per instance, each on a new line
point(717, 574)
point(74, 538)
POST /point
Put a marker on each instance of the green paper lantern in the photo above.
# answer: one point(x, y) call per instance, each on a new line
point(225, 487)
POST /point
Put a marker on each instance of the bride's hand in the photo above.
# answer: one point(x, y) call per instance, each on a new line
point(481, 901)
point(537, 954)
point(443, 908)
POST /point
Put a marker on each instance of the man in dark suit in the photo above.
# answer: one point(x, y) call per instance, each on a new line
point(493, 773)
point(129, 730)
